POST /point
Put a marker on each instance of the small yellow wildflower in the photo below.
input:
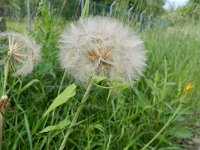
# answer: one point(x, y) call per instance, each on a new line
point(188, 87)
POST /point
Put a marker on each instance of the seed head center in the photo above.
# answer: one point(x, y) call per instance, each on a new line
point(102, 55)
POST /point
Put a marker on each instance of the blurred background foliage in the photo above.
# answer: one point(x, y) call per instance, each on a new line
point(68, 8)
point(136, 10)
point(71, 9)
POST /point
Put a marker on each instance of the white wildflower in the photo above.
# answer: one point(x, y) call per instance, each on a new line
point(22, 52)
point(104, 47)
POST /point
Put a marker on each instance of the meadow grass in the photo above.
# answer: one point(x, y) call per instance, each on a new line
point(119, 119)
point(19, 26)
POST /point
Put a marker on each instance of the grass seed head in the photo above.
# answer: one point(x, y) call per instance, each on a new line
point(102, 46)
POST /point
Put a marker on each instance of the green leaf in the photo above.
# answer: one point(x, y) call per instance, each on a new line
point(61, 125)
point(24, 88)
point(169, 83)
point(180, 132)
point(99, 127)
point(3, 61)
point(28, 131)
point(14, 5)
point(98, 79)
point(143, 102)
point(123, 86)
point(44, 67)
point(69, 92)
point(85, 9)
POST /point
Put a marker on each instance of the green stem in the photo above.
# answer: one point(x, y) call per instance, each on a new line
point(75, 118)
point(1, 129)
point(6, 69)
point(63, 78)
point(163, 128)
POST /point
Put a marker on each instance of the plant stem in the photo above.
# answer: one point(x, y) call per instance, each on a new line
point(6, 69)
point(63, 78)
point(75, 118)
point(1, 129)
point(163, 128)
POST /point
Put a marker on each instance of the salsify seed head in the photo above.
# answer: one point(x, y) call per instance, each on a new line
point(104, 47)
point(22, 51)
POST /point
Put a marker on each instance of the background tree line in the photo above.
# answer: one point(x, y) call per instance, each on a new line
point(70, 9)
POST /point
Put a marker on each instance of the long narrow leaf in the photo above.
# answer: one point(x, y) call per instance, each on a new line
point(24, 88)
point(28, 131)
point(69, 92)
point(61, 125)
point(86, 9)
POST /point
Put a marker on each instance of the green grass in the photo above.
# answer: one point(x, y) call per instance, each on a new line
point(130, 118)
point(18, 26)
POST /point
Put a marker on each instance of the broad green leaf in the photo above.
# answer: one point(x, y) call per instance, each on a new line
point(69, 92)
point(85, 9)
point(180, 132)
point(61, 125)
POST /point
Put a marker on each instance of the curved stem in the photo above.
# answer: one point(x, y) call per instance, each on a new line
point(163, 128)
point(75, 118)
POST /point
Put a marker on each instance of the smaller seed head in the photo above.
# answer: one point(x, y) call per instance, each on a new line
point(22, 51)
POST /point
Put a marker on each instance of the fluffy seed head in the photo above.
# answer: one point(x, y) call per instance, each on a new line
point(104, 47)
point(22, 51)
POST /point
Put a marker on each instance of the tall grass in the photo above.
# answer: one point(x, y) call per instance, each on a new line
point(155, 113)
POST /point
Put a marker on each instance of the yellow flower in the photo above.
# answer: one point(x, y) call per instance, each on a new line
point(188, 87)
